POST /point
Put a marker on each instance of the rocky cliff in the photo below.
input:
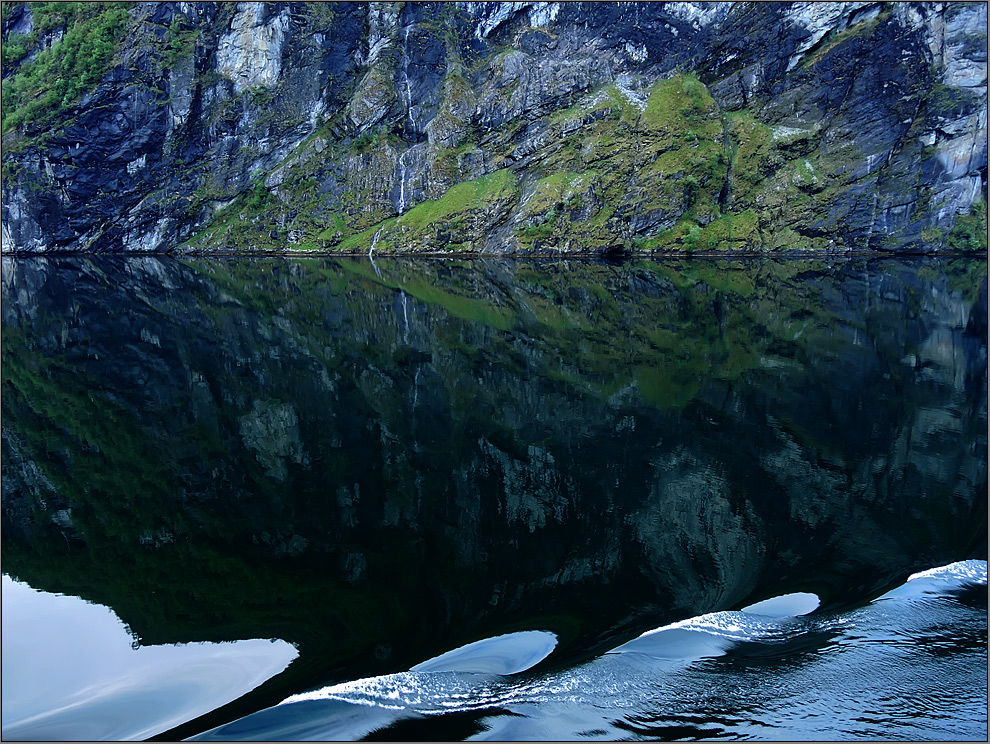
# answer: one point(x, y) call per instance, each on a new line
point(494, 127)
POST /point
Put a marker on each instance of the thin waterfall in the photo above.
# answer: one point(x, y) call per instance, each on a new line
point(374, 241)
point(405, 77)
point(410, 122)
point(371, 249)
point(402, 182)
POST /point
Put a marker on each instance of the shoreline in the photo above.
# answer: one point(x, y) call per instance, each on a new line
point(547, 255)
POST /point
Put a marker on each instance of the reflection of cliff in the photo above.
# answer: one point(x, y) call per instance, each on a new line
point(363, 463)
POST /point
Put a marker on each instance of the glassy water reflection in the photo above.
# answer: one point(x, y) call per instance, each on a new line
point(70, 671)
point(384, 463)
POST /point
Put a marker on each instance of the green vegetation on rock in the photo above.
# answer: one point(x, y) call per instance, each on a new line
point(179, 42)
point(57, 78)
point(970, 231)
point(327, 150)
point(468, 210)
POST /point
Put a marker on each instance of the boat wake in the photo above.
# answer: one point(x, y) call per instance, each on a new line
point(775, 669)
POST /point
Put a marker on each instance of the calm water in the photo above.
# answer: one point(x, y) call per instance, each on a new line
point(494, 499)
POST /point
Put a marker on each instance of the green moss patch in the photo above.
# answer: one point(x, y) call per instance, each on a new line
point(457, 221)
point(970, 230)
point(42, 89)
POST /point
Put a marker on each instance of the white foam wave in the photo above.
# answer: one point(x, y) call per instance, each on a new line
point(712, 634)
point(441, 676)
point(505, 654)
point(940, 580)
point(967, 571)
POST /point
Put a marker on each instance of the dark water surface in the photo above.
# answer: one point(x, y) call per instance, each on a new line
point(495, 499)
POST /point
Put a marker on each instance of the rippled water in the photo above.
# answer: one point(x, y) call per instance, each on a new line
point(861, 674)
point(494, 499)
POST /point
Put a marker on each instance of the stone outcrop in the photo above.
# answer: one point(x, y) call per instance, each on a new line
point(307, 125)
point(251, 53)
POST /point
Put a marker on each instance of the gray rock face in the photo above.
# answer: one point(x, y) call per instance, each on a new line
point(250, 54)
point(960, 136)
point(878, 113)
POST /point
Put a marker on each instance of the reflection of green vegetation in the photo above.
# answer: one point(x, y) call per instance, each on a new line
point(732, 278)
point(398, 373)
point(667, 385)
point(459, 304)
point(474, 310)
point(678, 329)
point(175, 564)
point(80, 438)
point(963, 275)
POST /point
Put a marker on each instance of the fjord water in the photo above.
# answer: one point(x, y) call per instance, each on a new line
point(512, 499)
point(72, 671)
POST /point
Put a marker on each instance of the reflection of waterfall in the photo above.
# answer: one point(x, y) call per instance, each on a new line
point(513, 462)
point(371, 249)
point(405, 318)
point(412, 415)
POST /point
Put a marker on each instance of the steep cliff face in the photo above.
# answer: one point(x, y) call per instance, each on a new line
point(496, 127)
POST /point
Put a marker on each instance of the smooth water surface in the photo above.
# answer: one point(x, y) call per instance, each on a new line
point(71, 671)
point(510, 499)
